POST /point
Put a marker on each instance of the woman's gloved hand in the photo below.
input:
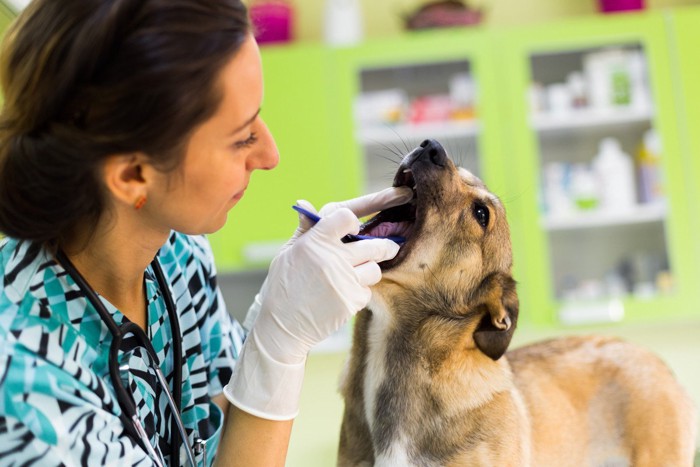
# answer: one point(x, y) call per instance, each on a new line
point(314, 285)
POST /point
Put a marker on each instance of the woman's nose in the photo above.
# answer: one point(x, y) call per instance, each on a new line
point(266, 156)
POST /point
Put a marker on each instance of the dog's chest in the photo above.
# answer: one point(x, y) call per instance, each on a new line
point(383, 417)
point(375, 369)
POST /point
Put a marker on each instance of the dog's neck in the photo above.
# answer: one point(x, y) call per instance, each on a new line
point(413, 374)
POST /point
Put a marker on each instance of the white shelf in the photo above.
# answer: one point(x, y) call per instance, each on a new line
point(639, 214)
point(407, 132)
point(590, 118)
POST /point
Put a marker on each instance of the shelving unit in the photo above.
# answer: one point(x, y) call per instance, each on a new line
point(566, 148)
point(591, 264)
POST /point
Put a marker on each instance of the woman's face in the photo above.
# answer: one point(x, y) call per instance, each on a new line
point(221, 154)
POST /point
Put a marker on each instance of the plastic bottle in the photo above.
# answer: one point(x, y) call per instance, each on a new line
point(615, 173)
point(649, 169)
point(584, 189)
point(556, 189)
point(608, 79)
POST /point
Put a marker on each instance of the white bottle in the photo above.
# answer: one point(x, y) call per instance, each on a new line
point(343, 22)
point(615, 173)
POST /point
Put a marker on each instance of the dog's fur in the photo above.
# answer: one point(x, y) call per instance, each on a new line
point(428, 384)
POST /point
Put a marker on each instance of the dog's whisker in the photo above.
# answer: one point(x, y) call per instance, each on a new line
point(406, 145)
point(393, 150)
point(400, 138)
point(387, 158)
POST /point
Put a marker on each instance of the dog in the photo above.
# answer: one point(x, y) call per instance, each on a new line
point(429, 383)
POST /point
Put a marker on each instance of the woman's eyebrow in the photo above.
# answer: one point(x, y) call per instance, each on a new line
point(247, 122)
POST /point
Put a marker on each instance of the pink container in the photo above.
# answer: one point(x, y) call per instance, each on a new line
point(612, 6)
point(272, 21)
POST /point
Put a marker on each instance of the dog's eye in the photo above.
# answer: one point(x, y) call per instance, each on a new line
point(481, 214)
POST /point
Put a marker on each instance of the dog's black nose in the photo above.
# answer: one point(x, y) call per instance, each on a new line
point(433, 151)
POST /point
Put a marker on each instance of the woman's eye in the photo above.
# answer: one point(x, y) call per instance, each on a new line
point(247, 142)
point(481, 214)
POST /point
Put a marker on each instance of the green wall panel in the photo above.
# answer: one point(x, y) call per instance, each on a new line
point(684, 40)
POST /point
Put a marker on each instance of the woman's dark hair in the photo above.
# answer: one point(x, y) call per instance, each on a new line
point(84, 79)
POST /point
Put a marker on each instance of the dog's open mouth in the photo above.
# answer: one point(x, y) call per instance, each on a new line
point(399, 221)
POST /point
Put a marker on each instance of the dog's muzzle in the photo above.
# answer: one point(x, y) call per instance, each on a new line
point(403, 220)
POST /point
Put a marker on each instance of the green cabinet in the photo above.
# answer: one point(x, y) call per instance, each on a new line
point(595, 258)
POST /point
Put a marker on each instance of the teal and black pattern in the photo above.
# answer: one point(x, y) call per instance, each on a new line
point(57, 404)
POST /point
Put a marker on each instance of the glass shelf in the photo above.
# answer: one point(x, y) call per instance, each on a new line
point(639, 214)
point(589, 118)
point(407, 132)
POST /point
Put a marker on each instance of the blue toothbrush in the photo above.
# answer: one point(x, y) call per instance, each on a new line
point(349, 237)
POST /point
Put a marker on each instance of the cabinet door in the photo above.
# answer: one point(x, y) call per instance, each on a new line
point(296, 109)
point(598, 237)
point(685, 39)
point(393, 94)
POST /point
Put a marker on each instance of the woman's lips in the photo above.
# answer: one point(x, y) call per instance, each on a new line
point(239, 195)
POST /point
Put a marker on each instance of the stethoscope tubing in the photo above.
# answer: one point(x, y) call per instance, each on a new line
point(129, 411)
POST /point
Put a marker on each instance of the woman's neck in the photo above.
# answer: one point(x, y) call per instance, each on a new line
point(113, 262)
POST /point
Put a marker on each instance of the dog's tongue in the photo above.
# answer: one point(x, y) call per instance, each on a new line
point(386, 229)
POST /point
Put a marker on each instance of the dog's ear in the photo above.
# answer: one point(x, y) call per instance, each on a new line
point(498, 297)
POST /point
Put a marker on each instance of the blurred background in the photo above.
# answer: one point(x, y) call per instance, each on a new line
point(582, 115)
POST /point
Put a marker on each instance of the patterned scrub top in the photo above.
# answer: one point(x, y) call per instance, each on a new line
point(57, 402)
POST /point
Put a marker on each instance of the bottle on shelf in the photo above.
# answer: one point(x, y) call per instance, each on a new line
point(615, 173)
point(556, 187)
point(649, 168)
point(584, 188)
point(609, 80)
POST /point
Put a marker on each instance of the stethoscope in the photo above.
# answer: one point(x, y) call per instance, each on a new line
point(129, 414)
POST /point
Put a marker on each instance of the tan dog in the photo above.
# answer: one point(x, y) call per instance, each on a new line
point(427, 383)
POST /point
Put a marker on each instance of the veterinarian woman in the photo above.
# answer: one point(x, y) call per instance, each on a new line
point(130, 128)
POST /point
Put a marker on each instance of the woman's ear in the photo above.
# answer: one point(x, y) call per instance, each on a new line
point(498, 296)
point(123, 177)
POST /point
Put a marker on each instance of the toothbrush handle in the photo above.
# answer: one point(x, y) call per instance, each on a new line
point(350, 237)
point(310, 215)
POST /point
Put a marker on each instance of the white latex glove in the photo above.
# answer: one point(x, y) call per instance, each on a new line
point(314, 285)
point(361, 207)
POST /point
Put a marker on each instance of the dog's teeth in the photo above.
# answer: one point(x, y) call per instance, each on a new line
point(407, 171)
